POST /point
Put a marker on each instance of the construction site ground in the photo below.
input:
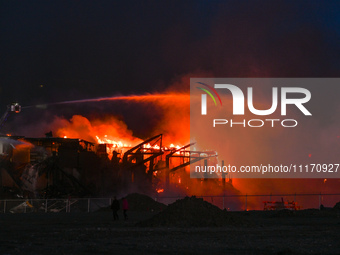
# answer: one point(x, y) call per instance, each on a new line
point(264, 232)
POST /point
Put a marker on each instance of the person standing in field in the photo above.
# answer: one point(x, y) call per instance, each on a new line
point(115, 208)
point(125, 207)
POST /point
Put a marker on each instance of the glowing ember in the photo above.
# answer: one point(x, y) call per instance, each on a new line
point(160, 190)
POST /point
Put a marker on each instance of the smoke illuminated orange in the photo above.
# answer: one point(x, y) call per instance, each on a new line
point(174, 125)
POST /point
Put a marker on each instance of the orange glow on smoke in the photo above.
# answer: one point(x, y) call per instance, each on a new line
point(174, 125)
point(117, 144)
point(109, 130)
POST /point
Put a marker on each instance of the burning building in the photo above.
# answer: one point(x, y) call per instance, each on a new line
point(54, 166)
point(101, 157)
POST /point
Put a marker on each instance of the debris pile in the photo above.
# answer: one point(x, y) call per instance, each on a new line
point(192, 212)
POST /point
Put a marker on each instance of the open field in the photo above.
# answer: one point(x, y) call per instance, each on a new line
point(266, 232)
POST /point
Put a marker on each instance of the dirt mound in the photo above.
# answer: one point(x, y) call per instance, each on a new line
point(337, 206)
point(284, 213)
point(192, 212)
point(139, 202)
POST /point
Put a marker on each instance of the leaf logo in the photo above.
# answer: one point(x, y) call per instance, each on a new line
point(204, 97)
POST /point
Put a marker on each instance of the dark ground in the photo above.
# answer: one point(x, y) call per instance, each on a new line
point(270, 232)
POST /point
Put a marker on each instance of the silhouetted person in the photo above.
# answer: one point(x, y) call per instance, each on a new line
point(115, 208)
point(125, 207)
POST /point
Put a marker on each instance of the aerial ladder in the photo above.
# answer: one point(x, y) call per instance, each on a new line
point(13, 107)
point(5, 162)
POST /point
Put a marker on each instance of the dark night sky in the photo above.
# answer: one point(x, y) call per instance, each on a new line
point(84, 49)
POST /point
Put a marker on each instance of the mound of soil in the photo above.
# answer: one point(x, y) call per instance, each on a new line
point(337, 206)
point(139, 202)
point(284, 213)
point(192, 212)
